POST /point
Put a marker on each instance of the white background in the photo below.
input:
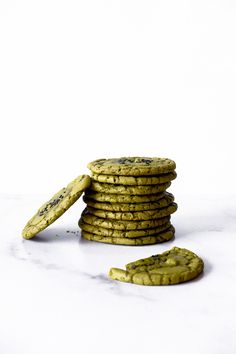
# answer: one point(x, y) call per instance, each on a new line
point(82, 80)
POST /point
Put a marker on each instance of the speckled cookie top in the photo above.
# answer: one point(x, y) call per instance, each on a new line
point(132, 166)
point(171, 267)
point(56, 206)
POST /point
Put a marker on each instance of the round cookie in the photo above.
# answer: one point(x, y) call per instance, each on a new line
point(122, 224)
point(56, 206)
point(130, 190)
point(171, 267)
point(140, 241)
point(134, 180)
point(134, 215)
point(132, 166)
point(122, 198)
point(121, 234)
point(161, 203)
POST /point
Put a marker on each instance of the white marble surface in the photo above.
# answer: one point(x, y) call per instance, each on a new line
point(56, 297)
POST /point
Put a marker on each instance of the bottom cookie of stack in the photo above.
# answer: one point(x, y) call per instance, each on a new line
point(137, 241)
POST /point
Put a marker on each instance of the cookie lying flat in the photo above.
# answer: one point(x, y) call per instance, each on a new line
point(133, 190)
point(132, 166)
point(134, 215)
point(122, 224)
point(119, 198)
point(56, 206)
point(134, 180)
point(140, 241)
point(161, 203)
point(101, 231)
point(171, 267)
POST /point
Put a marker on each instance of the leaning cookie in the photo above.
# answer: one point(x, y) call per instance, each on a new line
point(171, 267)
point(56, 206)
point(132, 166)
point(139, 241)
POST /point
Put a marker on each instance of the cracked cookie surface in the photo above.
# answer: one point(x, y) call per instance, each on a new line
point(122, 198)
point(138, 241)
point(101, 231)
point(135, 180)
point(129, 190)
point(171, 267)
point(134, 215)
point(122, 224)
point(167, 199)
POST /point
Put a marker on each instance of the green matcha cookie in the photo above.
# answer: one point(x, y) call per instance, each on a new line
point(101, 231)
point(134, 215)
point(56, 206)
point(146, 240)
point(132, 166)
point(122, 224)
point(134, 180)
point(161, 203)
point(133, 190)
point(171, 267)
point(122, 198)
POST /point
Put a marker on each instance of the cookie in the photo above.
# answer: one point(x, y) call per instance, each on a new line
point(132, 166)
point(130, 190)
point(171, 267)
point(122, 224)
point(134, 180)
point(119, 198)
point(134, 215)
point(101, 231)
point(56, 206)
point(140, 241)
point(161, 203)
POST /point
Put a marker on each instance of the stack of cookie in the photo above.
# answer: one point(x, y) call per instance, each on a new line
point(127, 202)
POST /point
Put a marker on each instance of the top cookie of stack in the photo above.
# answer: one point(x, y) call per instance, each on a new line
point(127, 202)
